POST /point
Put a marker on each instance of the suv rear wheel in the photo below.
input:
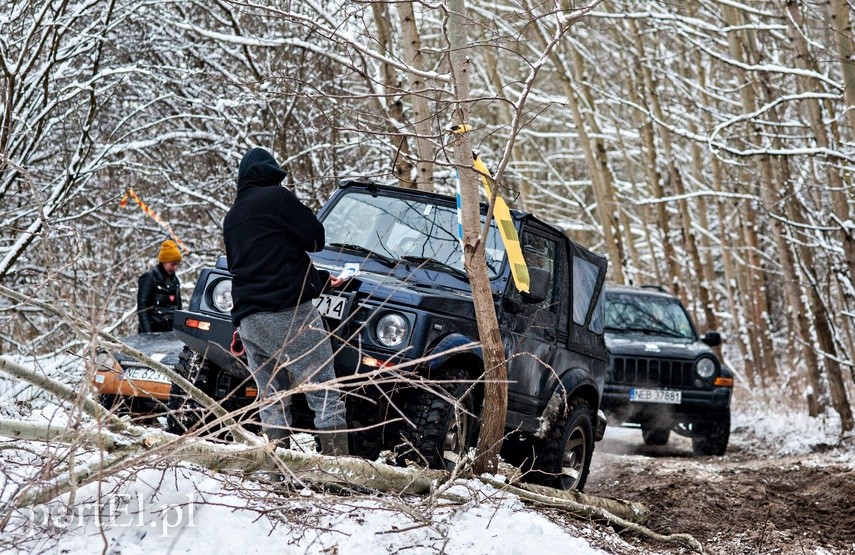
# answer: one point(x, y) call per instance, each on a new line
point(441, 431)
point(563, 459)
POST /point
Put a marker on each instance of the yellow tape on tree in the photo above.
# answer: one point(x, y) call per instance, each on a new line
point(505, 223)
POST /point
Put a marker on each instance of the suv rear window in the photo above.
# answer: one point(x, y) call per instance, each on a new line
point(585, 277)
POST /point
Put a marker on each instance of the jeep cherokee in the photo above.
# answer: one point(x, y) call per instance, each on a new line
point(662, 375)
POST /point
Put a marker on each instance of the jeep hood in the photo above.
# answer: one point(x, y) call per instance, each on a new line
point(162, 347)
point(406, 292)
point(652, 346)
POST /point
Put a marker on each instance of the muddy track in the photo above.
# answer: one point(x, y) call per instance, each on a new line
point(749, 501)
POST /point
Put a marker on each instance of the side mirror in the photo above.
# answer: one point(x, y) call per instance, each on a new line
point(540, 281)
point(712, 338)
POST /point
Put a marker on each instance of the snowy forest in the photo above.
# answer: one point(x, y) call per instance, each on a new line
point(705, 146)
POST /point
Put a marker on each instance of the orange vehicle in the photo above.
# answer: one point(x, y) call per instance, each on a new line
point(124, 382)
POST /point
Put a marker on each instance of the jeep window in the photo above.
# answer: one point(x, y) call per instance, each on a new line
point(647, 314)
point(395, 228)
point(585, 277)
point(539, 252)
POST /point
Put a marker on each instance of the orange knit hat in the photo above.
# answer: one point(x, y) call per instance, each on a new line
point(169, 252)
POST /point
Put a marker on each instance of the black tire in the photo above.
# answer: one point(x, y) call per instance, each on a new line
point(562, 460)
point(655, 436)
point(710, 439)
point(110, 402)
point(366, 439)
point(185, 414)
point(441, 431)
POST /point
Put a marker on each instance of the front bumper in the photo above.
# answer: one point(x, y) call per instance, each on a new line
point(212, 337)
point(113, 382)
point(696, 406)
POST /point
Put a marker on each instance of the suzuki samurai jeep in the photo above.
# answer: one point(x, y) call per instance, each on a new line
point(663, 376)
point(404, 334)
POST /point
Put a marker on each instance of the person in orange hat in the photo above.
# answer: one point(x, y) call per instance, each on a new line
point(159, 291)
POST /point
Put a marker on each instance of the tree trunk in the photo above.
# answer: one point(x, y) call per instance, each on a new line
point(841, 23)
point(395, 108)
point(600, 173)
point(495, 366)
point(611, 214)
point(706, 276)
point(742, 48)
point(643, 98)
point(421, 118)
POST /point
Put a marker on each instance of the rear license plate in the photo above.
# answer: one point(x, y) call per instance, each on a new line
point(147, 374)
point(666, 396)
point(331, 306)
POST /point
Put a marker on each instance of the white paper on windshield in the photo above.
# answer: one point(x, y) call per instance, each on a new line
point(350, 270)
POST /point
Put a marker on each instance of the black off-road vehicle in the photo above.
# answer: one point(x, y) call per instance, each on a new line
point(662, 375)
point(408, 317)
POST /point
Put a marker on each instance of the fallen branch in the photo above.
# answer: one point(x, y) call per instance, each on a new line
point(323, 470)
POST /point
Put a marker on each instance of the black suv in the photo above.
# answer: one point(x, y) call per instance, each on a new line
point(662, 375)
point(405, 336)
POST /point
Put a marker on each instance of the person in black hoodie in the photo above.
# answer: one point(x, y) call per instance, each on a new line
point(159, 291)
point(268, 233)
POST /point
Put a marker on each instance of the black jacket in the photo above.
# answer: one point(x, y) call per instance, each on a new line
point(267, 233)
point(158, 297)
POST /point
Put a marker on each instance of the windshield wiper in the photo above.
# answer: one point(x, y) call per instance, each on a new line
point(363, 250)
point(655, 331)
point(427, 260)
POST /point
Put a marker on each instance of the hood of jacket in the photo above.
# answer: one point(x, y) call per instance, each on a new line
point(259, 169)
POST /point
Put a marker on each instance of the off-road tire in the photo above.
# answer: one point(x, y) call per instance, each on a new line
point(185, 414)
point(114, 403)
point(562, 459)
point(366, 439)
point(710, 439)
point(655, 436)
point(441, 431)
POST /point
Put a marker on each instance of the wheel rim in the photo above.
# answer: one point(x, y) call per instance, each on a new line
point(455, 438)
point(575, 455)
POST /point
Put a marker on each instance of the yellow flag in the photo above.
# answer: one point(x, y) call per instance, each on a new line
point(505, 223)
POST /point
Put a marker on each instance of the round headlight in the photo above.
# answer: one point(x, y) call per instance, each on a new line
point(104, 362)
point(222, 295)
point(392, 329)
point(705, 367)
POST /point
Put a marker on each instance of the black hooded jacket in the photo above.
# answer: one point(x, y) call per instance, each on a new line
point(267, 233)
point(158, 297)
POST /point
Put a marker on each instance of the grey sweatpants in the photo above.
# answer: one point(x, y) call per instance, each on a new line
point(284, 350)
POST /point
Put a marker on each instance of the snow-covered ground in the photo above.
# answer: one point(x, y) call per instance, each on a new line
point(186, 509)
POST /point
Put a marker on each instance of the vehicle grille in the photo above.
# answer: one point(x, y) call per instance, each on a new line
point(652, 371)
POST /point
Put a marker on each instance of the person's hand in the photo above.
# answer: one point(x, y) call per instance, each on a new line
point(335, 281)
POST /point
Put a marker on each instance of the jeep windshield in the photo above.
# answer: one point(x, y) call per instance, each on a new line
point(413, 232)
point(647, 315)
